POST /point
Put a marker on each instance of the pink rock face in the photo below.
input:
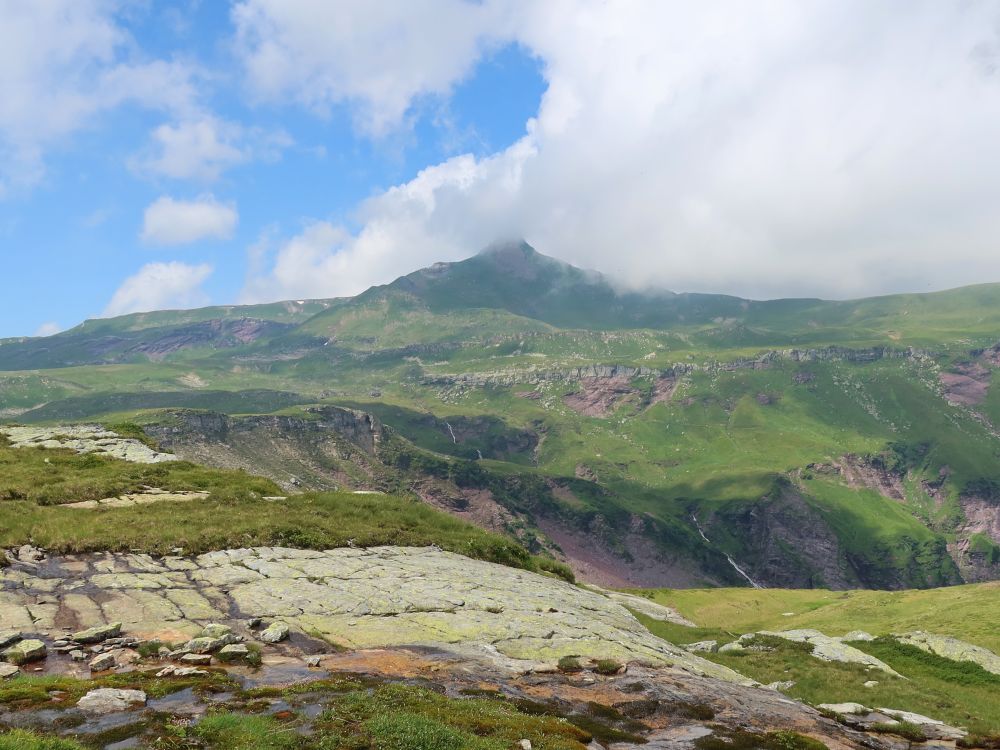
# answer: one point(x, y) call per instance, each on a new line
point(968, 386)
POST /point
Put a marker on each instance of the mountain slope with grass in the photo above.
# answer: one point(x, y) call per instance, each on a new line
point(648, 438)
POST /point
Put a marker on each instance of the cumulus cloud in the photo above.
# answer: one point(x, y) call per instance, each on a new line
point(167, 221)
point(781, 148)
point(202, 148)
point(378, 57)
point(158, 286)
point(62, 62)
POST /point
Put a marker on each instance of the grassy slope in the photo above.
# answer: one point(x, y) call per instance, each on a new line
point(962, 694)
point(964, 612)
point(35, 483)
point(720, 443)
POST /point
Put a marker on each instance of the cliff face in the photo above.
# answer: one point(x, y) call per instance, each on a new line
point(332, 448)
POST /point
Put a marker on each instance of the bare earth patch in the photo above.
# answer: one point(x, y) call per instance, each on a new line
point(967, 386)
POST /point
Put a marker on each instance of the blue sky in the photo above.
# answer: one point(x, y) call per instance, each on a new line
point(166, 154)
point(71, 238)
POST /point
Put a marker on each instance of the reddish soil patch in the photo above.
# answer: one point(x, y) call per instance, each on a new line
point(592, 562)
point(598, 397)
point(663, 390)
point(966, 386)
point(472, 505)
point(859, 473)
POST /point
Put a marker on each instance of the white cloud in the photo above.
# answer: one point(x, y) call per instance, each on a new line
point(778, 148)
point(203, 147)
point(199, 149)
point(167, 221)
point(376, 56)
point(159, 286)
point(48, 329)
point(62, 62)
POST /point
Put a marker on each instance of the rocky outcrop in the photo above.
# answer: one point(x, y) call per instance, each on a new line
point(359, 428)
point(538, 375)
point(353, 598)
point(110, 700)
point(330, 448)
point(952, 648)
point(827, 648)
point(884, 719)
point(85, 439)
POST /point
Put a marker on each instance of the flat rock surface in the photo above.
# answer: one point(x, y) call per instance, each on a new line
point(384, 596)
point(85, 439)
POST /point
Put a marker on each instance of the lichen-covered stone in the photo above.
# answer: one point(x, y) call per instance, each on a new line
point(102, 662)
point(85, 439)
point(216, 630)
point(952, 648)
point(110, 700)
point(24, 652)
point(355, 598)
point(233, 652)
point(205, 645)
point(273, 633)
point(827, 648)
point(98, 633)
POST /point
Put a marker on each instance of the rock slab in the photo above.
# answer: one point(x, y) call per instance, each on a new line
point(111, 700)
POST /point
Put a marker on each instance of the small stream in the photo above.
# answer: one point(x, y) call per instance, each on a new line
point(732, 562)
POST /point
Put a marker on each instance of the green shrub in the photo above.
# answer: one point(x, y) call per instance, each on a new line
point(608, 667)
point(570, 664)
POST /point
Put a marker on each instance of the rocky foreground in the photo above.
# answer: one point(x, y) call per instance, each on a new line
point(390, 613)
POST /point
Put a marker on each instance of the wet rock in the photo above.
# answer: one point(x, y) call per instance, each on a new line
point(77, 655)
point(275, 632)
point(110, 700)
point(197, 660)
point(8, 637)
point(98, 633)
point(24, 652)
point(313, 661)
point(7, 671)
point(102, 662)
point(172, 671)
